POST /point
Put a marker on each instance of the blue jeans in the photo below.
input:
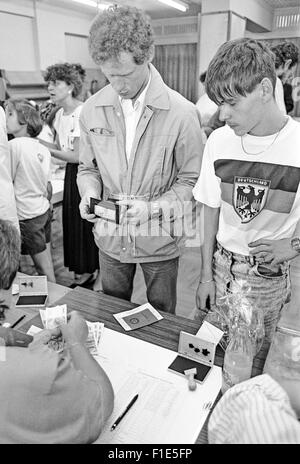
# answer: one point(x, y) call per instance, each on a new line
point(160, 278)
point(270, 289)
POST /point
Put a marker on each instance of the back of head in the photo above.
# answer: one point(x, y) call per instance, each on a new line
point(285, 51)
point(27, 115)
point(237, 68)
point(68, 73)
point(81, 71)
point(202, 77)
point(9, 253)
point(121, 29)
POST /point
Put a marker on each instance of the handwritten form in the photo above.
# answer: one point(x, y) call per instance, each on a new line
point(166, 411)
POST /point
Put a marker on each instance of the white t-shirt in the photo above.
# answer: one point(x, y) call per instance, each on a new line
point(30, 168)
point(67, 127)
point(7, 198)
point(258, 195)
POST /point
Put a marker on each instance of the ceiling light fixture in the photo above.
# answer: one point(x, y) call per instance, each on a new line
point(95, 4)
point(176, 4)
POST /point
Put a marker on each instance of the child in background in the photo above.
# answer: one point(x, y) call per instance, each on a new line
point(30, 167)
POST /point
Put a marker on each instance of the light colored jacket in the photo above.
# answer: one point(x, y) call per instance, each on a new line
point(164, 165)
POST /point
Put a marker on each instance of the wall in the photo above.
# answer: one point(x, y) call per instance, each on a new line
point(17, 39)
point(34, 34)
point(53, 23)
point(209, 42)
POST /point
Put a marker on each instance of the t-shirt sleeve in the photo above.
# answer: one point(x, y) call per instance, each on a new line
point(207, 189)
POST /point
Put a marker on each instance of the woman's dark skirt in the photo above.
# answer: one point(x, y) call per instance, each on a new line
point(80, 250)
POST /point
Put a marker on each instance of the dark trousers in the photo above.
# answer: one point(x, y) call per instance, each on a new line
point(160, 278)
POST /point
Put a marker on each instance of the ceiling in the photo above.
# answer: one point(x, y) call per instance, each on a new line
point(154, 8)
point(157, 10)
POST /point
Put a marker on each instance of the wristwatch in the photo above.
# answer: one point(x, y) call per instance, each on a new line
point(295, 244)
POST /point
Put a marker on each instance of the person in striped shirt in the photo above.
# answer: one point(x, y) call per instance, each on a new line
point(249, 183)
point(257, 411)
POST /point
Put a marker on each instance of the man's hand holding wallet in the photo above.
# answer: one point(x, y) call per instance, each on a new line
point(84, 208)
point(133, 212)
point(138, 211)
point(106, 209)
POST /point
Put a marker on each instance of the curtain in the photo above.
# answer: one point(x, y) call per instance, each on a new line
point(296, 41)
point(177, 65)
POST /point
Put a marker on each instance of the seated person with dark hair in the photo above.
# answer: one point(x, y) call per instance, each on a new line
point(46, 396)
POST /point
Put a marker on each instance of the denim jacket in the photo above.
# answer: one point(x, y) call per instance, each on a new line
point(164, 165)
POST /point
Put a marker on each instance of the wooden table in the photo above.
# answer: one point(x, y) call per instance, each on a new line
point(95, 306)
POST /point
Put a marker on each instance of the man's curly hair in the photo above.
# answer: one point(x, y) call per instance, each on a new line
point(10, 245)
point(121, 29)
point(285, 51)
point(65, 72)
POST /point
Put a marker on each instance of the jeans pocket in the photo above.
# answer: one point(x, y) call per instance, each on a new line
point(267, 272)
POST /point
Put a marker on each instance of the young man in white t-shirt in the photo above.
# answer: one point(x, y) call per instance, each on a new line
point(249, 183)
point(31, 174)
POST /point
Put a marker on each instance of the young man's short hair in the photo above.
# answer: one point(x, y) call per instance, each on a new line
point(27, 114)
point(237, 68)
point(121, 29)
point(66, 72)
point(10, 245)
point(285, 51)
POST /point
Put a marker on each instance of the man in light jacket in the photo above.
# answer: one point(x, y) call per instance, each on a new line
point(141, 148)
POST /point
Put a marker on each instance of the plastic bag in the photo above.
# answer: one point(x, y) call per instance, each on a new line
point(234, 310)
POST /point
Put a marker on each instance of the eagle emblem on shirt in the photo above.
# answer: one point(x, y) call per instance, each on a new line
point(249, 196)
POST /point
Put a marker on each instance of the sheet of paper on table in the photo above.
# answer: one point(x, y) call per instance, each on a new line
point(165, 411)
point(138, 317)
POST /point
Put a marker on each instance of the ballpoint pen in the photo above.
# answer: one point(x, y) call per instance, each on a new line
point(118, 420)
point(19, 320)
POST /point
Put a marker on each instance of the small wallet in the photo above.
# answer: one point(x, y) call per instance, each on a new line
point(106, 209)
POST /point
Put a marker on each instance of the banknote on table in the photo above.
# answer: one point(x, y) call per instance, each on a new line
point(94, 336)
point(56, 316)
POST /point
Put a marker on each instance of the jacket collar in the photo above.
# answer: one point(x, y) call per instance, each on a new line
point(156, 96)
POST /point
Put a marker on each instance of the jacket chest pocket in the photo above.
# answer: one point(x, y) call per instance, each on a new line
point(103, 144)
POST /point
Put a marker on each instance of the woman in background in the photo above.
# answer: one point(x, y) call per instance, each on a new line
point(80, 251)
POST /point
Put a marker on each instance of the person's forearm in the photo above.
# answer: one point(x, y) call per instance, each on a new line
point(84, 361)
point(49, 191)
point(211, 222)
point(68, 156)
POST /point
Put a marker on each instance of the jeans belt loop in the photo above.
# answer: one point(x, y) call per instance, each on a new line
point(252, 260)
